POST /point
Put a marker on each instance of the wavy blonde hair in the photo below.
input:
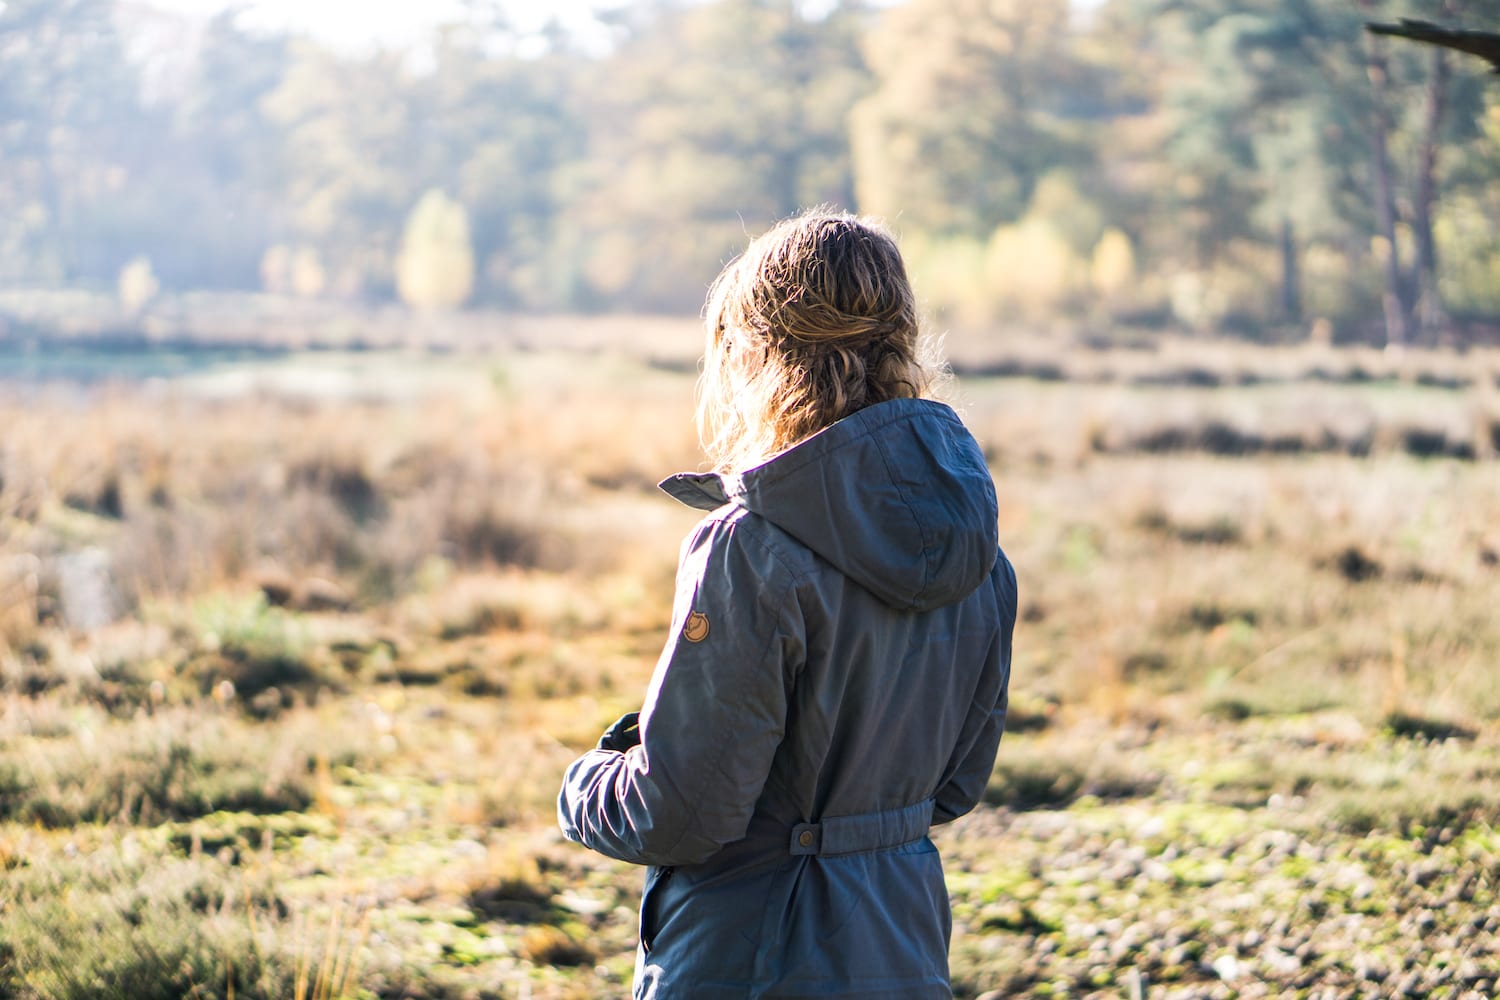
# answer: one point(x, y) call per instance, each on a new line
point(813, 322)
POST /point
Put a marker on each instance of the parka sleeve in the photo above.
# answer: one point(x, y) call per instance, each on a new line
point(968, 773)
point(714, 714)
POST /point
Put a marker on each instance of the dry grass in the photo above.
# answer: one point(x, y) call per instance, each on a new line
point(358, 634)
point(186, 495)
point(1156, 361)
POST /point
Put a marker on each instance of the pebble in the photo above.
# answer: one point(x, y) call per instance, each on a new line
point(1279, 962)
point(1227, 968)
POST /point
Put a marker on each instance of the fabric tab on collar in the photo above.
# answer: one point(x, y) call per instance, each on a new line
point(699, 490)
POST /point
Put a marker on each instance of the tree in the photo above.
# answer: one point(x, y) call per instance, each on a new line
point(137, 285)
point(1485, 44)
point(1294, 135)
point(503, 133)
point(348, 161)
point(971, 108)
point(68, 120)
point(710, 121)
point(435, 268)
point(216, 189)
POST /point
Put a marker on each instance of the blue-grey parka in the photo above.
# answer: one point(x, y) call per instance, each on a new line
point(835, 683)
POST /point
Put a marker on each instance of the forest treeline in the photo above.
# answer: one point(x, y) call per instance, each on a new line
point(1262, 167)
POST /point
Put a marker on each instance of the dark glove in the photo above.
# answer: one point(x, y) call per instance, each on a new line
point(623, 735)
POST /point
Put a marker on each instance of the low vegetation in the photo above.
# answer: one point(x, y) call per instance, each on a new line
point(288, 674)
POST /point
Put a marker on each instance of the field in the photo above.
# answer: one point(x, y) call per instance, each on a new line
point(294, 648)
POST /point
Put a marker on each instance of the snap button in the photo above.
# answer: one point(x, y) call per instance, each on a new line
point(805, 838)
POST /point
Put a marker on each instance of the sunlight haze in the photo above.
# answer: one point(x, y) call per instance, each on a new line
point(352, 24)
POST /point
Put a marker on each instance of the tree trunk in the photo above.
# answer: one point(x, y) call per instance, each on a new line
point(1291, 285)
point(1393, 302)
point(1431, 318)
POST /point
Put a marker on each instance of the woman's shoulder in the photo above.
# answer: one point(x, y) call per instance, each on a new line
point(735, 531)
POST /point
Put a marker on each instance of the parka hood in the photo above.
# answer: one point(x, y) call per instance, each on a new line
point(896, 496)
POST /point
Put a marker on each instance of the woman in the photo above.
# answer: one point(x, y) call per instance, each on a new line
point(836, 678)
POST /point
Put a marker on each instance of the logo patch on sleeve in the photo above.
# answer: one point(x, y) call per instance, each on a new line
point(695, 629)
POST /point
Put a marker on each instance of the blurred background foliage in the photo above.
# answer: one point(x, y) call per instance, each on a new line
point(1260, 167)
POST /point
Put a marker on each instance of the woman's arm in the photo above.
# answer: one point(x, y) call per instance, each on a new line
point(714, 715)
point(974, 759)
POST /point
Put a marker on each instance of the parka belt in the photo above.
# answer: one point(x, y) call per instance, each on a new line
point(871, 831)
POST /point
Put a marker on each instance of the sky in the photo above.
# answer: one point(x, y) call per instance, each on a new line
point(360, 26)
point(368, 24)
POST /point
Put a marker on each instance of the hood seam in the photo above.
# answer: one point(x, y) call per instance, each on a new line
point(915, 601)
